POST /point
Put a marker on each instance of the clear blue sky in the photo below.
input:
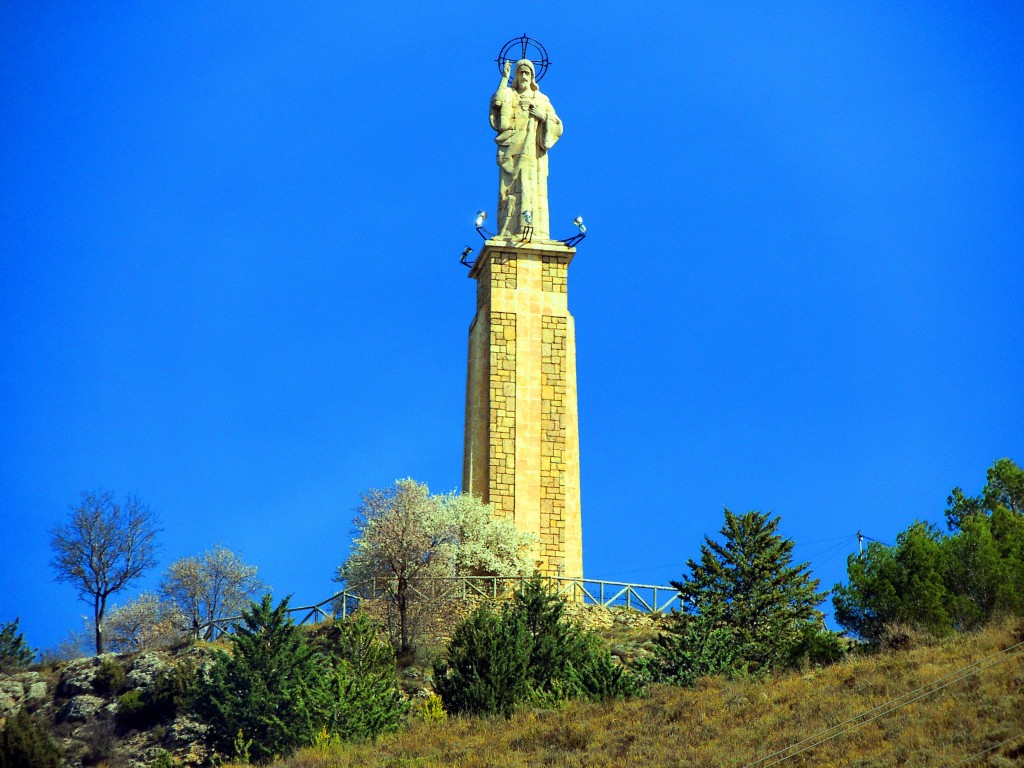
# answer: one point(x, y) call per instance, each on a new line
point(229, 279)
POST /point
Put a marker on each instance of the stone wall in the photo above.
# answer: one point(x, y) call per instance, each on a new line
point(553, 443)
point(502, 427)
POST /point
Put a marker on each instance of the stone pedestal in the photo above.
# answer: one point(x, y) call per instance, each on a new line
point(522, 428)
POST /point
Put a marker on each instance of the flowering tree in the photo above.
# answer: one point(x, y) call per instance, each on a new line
point(403, 535)
point(143, 623)
point(215, 585)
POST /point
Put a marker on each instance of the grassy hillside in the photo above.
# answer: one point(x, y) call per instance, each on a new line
point(933, 704)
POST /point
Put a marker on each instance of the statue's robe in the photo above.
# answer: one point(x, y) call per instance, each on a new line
point(523, 143)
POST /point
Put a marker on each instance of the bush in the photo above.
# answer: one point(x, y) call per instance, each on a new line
point(431, 710)
point(275, 691)
point(26, 744)
point(816, 647)
point(529, 654)
point(143, 708)
point(695, 646)
point(110, 678)
point(486, 669)
point(363, 694)
point(131, 710)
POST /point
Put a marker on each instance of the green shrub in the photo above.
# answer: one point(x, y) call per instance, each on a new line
point(529, 654)
point(26, 744)
point(276, 691)
point(816, 647)
point(110, 678)
point(142, 708)
point(695, 646)
point(269, 688)
point(486, 669)
point(364, 699)
point(131, 710)
point(431, 710)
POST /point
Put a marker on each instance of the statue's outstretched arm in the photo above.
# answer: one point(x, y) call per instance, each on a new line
point(504, 78)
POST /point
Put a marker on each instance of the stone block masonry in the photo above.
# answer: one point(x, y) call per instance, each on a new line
point(553, 413)
point(522, 435)
point(502, 410)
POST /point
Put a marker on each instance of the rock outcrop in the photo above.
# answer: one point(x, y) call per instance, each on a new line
point(84, 704)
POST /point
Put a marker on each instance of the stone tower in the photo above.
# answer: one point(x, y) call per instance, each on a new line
point(522, 450)
point(522, 431)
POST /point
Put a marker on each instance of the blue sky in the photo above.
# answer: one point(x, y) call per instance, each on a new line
point(229, 279)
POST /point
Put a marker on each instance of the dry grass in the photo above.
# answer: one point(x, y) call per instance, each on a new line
point(736, 723)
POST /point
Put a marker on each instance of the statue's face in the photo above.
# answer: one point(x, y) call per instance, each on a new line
point(523, 78)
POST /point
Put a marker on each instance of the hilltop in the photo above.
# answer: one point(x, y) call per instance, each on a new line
point(928, 703)
point(920, 702)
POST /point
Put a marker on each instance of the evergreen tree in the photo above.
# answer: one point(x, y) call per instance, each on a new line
point(924, 599)
point(364, 699)
point(871, 598)
point(487, 665)
point(529, 653)
point(941, 583)
point(697, 645)
point(901, 584)
point(26, 744)
point(974, 573)
point(1008, 534)
point(748, 585)
point(565, 662)
point(270, 690)
point(1004, 489)
point(14, 651)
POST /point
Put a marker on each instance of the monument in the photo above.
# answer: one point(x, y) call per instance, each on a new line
point(522, 435)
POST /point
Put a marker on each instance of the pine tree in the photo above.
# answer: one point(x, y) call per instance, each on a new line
point(364, 698)
point(487, 665)
point(14, 651)
point(270, 690)
point(748, 585)
point(933, 582)
point(530, 654)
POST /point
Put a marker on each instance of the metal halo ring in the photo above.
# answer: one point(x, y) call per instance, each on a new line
point(522, 46)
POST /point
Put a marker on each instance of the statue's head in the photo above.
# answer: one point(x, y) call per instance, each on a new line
point(525, 75)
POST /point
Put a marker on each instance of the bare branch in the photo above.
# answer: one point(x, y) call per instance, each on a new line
point(103, 548)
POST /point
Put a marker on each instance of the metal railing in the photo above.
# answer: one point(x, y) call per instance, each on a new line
point(645, 598)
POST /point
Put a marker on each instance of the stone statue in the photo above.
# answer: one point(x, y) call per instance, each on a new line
point(527, 128)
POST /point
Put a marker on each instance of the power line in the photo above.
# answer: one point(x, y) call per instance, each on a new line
point(832, 548)
point(896, 704)
point(887, 707)
point(994, 747)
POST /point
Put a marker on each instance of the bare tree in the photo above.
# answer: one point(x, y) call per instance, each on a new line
point(215, 585)
point(103, 548)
